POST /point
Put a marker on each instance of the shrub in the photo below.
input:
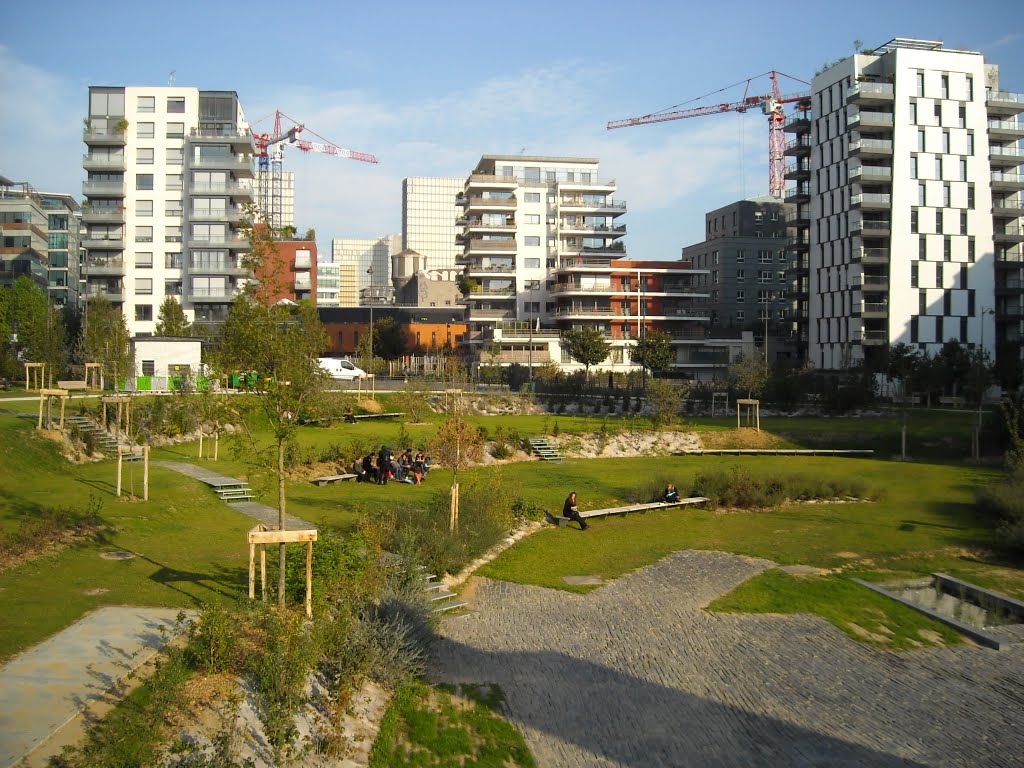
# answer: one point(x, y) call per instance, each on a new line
point(1003, 503)
point(49, 525)
point(500, 451)
point(211, 639)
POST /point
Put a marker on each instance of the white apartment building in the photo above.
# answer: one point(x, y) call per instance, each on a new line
point(908, 204)
point(429, 214)
point(362, 255)
point(168, 173)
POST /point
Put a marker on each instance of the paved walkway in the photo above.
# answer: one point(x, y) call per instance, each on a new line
point(254, 509)
point(636, 674)
point(46, 687)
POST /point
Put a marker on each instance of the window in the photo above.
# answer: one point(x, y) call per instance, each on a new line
point(913, 166)
point(920, 83)
point(145, 130)
point(970, 196)
point(175, 156)
point(144, 260)
point(144, 155)
point(913, 220)
point(532, 285)
point(961, 117)
point(947, 248)
point(741, 295)
point(913, 113)
point(531, 263)
point(782, 256)
point(173, 260)
point(764, 277)
point(781, 276)
point(143, 234)
point(172, 234)
point(970, 142)
point(947, 195)
point(740, 256)
point(963, 169)
point(764, 297)
point(913, 275)
point(938, 275)
point(532, 197)
point(920, 139)
point(922, 302)
point(532, 218)
point(740, 275)
point(764, 257)
point(963, 222)
point(758, 217)
point(175, 105)
point(922, 248)
point(970, 249)
point(921, 193)
point(531, 240)
point(144, 181)
point(175, 130)
point(531, 173)
point(944, 81)
point(209, 232)
point(173, 208)
point(938, 113)
point(143, 286)
point(714, 277)
point(174, 181)
point(970, 88)
point(714, 258)
point(145, 104)
point(938, 166)
point(740, 316)
point(143, 207)
point(945, 141)
point(148, 366)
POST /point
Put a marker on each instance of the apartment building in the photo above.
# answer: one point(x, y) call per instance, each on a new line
point(368, 260)
point(63, 225)
point(429, 214)
point(168, 175)
point(23, 234)
point(745, 266)
point(908, 204)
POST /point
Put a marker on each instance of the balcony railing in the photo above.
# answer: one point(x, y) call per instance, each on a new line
point(476, 244)
point(1004, 97)
point(1011, 126)
point(866, 119)
point(585, 312)
point(103, 163)
point(871, 173)
point(871, 225)
point(579, 202)
point(487, 178)
point(871, 146)
point(103, 188)
point(1007, 179)
point(1007, 152)
point(580, 288)
point(100, 136)
point(871, 254)
point(479, 201)
point(870, 91)
point(871, 199)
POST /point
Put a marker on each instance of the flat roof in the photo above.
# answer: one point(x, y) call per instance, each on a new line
point(541, 159)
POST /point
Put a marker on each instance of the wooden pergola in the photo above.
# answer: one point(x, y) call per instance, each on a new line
point(47, 395)
point(753, 408)
point(36, 374)
point(260, 537)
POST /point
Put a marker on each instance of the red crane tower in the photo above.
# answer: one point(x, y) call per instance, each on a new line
point(771, 104)
point(270, 151)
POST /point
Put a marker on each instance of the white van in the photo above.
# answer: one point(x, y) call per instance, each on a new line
point(341, 370)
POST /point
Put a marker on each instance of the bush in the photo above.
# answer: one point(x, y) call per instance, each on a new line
point(49, 525)
point(740, 489)
point(211, 639)
point(1003, 504)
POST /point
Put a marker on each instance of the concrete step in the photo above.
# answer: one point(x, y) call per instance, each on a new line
point(445, 607)
point(442, 595)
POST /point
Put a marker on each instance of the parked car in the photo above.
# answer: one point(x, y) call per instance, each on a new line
point(341, 370)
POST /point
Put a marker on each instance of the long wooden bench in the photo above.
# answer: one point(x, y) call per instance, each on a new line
point(560, 521)
point(377, 415)
point(327, 479)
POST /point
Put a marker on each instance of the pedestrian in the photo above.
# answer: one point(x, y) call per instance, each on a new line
point(570, 510)
point(671, 494)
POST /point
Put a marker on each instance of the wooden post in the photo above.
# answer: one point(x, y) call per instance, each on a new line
point(145, 473)
point(39, 424)
point(453, 514)
point(309, 579)
point(104, 414)
point(120, 450)
point(737, 414)
point(62, 401)
point(200, 442)
point(216, 444)
point(252, 571)
point(263, 572)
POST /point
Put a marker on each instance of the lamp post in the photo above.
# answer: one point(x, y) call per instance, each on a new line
point(981, 381)
point(529, 348)
point(369, 297)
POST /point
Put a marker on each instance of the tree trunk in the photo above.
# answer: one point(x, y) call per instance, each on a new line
point(282, 552)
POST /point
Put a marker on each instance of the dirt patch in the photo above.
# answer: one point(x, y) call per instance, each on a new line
point(95, 591)
point(931, 636)
point(866, 634)
point(370, 406)
point(847, 555)
point(9, 560)
point(743, 437)
point(803, 570)
point(629, 443)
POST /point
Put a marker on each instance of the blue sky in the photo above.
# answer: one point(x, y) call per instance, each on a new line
point(431, 86)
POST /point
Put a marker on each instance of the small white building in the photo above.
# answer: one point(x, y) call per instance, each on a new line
point(158, 358)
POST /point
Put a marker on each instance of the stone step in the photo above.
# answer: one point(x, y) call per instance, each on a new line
point(442, 595)
point(445, 607)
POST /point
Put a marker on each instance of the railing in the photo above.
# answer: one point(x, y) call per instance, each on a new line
point(99, 263)
point(872, 172)
point(579, 261)
point(579, 202)
point(991, 96)
point(586, 311)
point(470, 223)
point(801, 141)
point(868, 118)
point(871, 198)
point(504, 202)
point(876, 336)
point(579, 288)
point(870, 253)
point(801, 167)
point(1005, 152)
point(1010, 230)
point(491, 267)
point(477, 244)
point(879, 145)
point(211, 293)
point(1006, 125)
point(801, 191)
point(95, 134)
point(876, 225)
point(1009, 178)
point(871, 91)
point(486, 178)
point(219, 133)
point(874, 307)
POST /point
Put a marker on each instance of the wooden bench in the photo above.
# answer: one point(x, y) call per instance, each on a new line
point(377, 415)
point(586, 515)
point(555, 519)
point(72, 384)
point(327, 479)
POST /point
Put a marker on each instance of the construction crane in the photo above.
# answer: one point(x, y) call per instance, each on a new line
point(771, 104)
point(270, 173)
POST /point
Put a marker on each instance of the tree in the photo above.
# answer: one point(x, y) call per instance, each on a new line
point(171, 320)
point(389, 339)
point(653, 351)
point(586, 346)
point(105, 338)
point(26, 311)
point(457, 444)
point(664, 399)
point(747, 374)
point(281, 343)
point(903, 362)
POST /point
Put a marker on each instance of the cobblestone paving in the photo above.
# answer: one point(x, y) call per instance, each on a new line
point(636, 674)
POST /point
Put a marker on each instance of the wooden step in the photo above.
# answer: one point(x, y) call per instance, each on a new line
point(445, 607)
point(442, 595)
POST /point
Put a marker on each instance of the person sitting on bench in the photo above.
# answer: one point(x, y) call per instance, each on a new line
point(570, 510)
point(349, 416)
point(671, 494)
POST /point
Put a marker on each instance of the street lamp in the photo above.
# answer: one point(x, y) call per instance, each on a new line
point(369, 297)
point(981, 381)
point(529, 349)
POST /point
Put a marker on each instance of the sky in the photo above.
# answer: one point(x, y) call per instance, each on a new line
point(428, 86)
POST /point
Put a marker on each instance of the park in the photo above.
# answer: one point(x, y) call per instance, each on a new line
point(744, 616)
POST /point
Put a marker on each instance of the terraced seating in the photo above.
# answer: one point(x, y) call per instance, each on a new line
point(544, 450)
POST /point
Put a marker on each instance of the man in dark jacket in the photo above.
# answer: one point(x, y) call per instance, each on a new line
point(570, 510)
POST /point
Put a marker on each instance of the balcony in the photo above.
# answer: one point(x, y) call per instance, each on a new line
point(103, 138)
point(1004, 103)
point(230, 243)
point(103, 188)
point(799, 218)
point(871, 147)
point(872, 174)
point(1011, 233)
point(798, 147)
point(798, 171)
point(104, 163)
point(476, 227)
point(304, 260)
point(614, 250)
point(799, 194)
point(871, 255)
point(870, 283)
point(491, 314)
point(216, 267)
point(1007, 209)
point(481, 203)
point(871, 227)
point(1007, 182)
point(491, 181)
point(211, 295)
point(303, 281)
point(798, 267)
point(871, 122)
point(103, 215)
point(1005, 130)
point(584, 313)
point(232, 215)
point(585, 230)
point(876, 310)
point(798, 244)
point(798, 122)
point(573, 287)
point(1008, 157)
point(240, 141)
point(241, 167)
point(872, 338)
point(607, 206)
point(484, 269)
point(112, 292)
point(239, 191)
point(870, 93)
point(491, 294)
point(94, 265)
point(581, 264)
point(871, 200)
point(475, 245)
point(103, 243)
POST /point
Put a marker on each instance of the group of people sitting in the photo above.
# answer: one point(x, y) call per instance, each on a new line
point(407, 467)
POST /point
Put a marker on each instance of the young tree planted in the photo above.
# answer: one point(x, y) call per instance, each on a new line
point(171, 320)
point(587, 346)
point(458, 445)
point(747, 374)
point(105, 338)
point(653, 352)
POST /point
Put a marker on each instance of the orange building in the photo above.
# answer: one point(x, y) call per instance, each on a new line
point(427, 329)
point(290, 270)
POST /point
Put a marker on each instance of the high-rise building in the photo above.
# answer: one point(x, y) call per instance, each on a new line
point(364, 254)
point(429, 216)
point(908, 205)
point(63, 225)
point(169, 171)
point(23, 234)
point(745, 267)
